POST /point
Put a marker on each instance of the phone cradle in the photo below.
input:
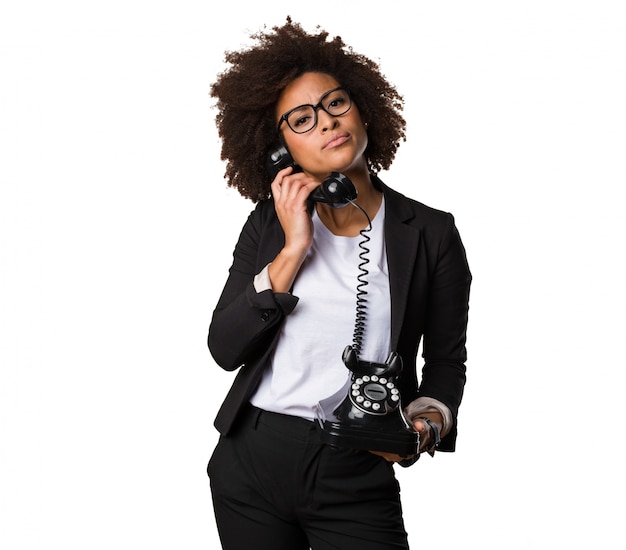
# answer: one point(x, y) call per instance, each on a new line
point(370, 417)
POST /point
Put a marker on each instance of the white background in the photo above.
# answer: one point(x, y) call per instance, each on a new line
point(116, 233)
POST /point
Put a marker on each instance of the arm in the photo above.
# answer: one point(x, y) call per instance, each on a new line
point(443, 374)
point(246, 320)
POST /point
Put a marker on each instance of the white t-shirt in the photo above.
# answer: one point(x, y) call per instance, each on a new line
point(306, 366)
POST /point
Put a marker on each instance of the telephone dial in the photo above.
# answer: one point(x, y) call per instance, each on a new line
point(336, 190)
point(370, 416)
point(373, 387)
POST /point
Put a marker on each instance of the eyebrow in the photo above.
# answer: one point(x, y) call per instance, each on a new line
point(318, 101)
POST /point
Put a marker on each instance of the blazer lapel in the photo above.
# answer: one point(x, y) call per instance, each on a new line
point(402, 242)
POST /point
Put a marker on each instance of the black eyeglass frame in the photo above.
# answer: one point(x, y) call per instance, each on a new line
point(320, 105)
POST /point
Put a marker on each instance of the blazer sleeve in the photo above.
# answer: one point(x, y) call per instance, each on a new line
point(245, 322)
point(444, 351)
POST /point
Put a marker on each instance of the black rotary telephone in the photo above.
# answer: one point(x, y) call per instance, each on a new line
point(370, 416)
point(336, 190)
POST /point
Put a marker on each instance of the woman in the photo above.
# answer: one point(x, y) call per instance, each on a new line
point(287, 310)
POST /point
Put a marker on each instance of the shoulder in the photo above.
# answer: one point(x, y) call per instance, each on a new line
point(262, 216)
point(262, 232)
point(263, 210)
point(406, 210)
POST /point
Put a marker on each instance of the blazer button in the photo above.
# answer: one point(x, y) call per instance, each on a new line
point(266, 316)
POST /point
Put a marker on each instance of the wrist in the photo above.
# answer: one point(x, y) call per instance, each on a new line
point(434, 435)
point(284, 268)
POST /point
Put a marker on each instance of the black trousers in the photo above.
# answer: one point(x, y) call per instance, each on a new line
point(275, 486)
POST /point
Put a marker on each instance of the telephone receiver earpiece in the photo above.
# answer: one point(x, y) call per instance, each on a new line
point(337, 190)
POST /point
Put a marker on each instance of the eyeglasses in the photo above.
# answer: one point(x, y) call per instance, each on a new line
point(303, 119)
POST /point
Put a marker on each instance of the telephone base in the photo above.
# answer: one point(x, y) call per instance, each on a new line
point(389, 434)
point(370, 417)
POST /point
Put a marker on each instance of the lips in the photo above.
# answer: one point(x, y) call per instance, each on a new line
point(336, 140)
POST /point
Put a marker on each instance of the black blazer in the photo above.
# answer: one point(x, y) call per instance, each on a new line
point(429, 280)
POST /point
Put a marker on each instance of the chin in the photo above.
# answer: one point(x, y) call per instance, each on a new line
point(359, 166)
point(350, 165)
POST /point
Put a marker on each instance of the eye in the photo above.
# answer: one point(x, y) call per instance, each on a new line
point(337, 102)
point(297, 122)
point(301, 117)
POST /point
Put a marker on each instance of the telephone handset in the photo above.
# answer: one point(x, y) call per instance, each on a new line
point(336, 190)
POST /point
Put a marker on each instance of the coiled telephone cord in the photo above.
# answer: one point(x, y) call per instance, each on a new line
point(361, 299)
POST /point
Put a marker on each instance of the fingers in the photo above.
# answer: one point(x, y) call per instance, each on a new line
point(429, 433)
point(420, 426)
point(290, 192)
point(390, 457)
point(288, 187)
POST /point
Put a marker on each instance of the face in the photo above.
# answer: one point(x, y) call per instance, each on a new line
point(337, 143)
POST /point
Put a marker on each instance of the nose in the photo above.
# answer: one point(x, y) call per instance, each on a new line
point(325, 121)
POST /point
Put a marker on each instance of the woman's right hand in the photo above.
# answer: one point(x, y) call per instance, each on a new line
point(290, 192)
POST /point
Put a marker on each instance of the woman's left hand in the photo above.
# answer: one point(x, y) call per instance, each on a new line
point(423, 429)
